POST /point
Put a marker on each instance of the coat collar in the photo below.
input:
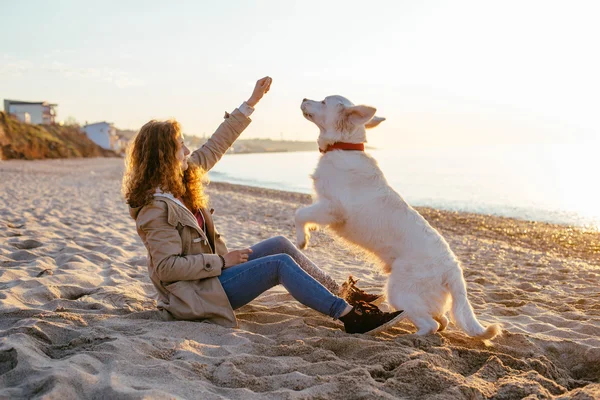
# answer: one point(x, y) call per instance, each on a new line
point(160, 193)
point(188, 218)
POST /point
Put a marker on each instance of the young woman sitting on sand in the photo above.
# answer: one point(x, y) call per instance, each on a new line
point(195, 275)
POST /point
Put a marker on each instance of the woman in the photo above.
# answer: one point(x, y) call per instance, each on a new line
point(195, 275)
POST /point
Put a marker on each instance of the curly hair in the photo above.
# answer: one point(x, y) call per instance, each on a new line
point(152, 163)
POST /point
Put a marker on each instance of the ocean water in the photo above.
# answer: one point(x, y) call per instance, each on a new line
point(551, 183)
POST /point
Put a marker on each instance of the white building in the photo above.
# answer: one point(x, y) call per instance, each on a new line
point(103, 134)
point(40, 112)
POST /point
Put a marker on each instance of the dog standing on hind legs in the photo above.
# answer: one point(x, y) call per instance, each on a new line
point(354, 199)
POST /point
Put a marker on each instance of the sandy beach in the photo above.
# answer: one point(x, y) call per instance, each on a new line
point(78, 319)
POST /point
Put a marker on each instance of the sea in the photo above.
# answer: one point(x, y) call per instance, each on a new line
point(555, 183)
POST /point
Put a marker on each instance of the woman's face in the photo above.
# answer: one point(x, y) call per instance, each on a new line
point(182, 153)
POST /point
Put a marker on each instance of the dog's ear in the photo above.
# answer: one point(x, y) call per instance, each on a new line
point(359, 115)
point(374, 122)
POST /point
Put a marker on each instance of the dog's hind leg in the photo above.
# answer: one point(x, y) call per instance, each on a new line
point(425, 324)
point(443, 321)
point(415, 308)
point(319, 213)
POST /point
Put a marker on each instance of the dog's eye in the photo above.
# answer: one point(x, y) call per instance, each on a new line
point(323, 102)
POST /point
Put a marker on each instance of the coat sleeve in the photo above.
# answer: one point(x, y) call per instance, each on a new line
point(164, 247)
point(220, 141)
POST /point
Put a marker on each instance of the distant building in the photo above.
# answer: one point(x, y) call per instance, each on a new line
point(40, 112)
point(103, 134)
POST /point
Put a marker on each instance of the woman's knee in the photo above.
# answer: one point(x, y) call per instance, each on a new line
point(283, 242)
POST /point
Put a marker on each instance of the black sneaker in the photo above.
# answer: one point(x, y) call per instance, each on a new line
point(352, 294)
point(367, 318)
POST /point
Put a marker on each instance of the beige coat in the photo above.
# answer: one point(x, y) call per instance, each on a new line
point(183, 261)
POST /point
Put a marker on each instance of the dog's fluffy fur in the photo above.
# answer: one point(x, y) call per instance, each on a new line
point(354, 199)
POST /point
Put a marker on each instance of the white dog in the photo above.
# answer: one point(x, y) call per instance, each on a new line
point(354, 199)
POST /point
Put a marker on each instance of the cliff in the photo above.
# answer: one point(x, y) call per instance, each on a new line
point(32, 142)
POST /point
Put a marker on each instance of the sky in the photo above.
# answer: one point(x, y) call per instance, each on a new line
point(443, 73)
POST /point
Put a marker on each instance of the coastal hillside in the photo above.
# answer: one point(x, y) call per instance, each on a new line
point(33, 142)
point(257, 145)
point(272, 146)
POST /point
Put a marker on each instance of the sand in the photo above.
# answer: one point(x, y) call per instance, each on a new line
point(77, 317)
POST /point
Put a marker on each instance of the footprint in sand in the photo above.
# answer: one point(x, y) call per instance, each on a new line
point(27, 244)
point(22, 255)
point(8, 359)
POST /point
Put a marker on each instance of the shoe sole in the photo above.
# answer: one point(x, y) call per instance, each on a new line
point(387, 325)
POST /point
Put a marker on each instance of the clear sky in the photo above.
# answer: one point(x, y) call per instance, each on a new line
point(441, 72)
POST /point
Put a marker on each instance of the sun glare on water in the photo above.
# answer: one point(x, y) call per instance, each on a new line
point(577, 181)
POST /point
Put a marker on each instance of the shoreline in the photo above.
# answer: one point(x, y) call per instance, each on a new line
point(583, 233)
point(563, 240)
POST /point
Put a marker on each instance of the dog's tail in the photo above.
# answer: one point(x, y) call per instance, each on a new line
point(462, 312)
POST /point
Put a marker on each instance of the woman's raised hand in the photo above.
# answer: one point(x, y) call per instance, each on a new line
point(262, 86)
point(236, 257)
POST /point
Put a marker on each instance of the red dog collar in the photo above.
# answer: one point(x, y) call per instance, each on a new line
point(344, 146)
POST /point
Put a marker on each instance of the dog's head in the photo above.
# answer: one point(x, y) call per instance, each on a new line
point(339, 120)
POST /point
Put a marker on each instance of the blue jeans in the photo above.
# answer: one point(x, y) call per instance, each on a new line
point(281, 245)
point(269, 265)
